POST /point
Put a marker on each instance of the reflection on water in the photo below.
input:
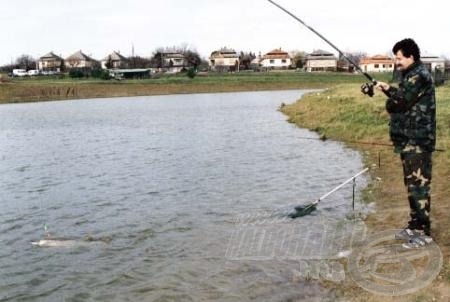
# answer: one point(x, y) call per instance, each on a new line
point(165, 177)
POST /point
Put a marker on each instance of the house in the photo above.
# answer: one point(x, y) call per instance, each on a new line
point(224, 59)
point(79, 60)
point(50, 62)
point(320, 60)
point(276, 59)
point(115, 61)
point(436, 66)
point(433, 62)
point(254, 64)
point(377, 63)
point(173, 61)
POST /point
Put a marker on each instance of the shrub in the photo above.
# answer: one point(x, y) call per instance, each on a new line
point(191, 73)
point(76, 73)
point(100, 74)
point(105, 75)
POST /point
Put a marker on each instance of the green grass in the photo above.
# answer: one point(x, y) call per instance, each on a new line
point(341, 112)
point(259, 77)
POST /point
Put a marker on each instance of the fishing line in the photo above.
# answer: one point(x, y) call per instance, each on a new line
point(365, 88)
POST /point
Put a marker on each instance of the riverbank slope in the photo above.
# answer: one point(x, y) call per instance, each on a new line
point(18, 90)
point(343, 113)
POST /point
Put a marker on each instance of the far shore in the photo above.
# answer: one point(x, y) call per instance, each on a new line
point(47, 88)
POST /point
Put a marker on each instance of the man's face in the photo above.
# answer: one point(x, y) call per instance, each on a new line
point(402, 62)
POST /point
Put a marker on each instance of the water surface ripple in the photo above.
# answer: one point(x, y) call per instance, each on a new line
point(164, 178)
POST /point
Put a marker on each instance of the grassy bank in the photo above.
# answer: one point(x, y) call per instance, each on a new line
point(53, 88)
point(343, 113)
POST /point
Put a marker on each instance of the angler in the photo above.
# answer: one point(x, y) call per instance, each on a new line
point(412, 109)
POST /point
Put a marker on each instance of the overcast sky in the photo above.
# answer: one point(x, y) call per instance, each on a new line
point(98, 27)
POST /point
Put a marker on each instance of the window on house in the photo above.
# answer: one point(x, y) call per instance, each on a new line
point(377, 66)
point(272, 61)
point(384, 65)
point(283, 61)
point(390, 65)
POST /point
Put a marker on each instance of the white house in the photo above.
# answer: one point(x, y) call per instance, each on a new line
point(224, 59)
point(320, 60)
point(276, 59)
point(115, 61)
point(79, 60)
point(173, 61)
point(50, 62)
point(377, 63)
point(433, 62)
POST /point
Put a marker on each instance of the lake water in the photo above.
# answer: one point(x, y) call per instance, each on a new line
point(164, 179)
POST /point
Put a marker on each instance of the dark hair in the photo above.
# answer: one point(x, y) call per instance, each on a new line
point(408, 47)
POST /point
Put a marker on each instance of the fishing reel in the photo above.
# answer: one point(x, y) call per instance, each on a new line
point(367, 88)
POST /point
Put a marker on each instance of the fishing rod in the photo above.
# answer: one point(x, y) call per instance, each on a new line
point(323, 138)
point(366, 88)
point(306, 209)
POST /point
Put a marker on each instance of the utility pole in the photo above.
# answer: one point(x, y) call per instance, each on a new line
point(132, 55)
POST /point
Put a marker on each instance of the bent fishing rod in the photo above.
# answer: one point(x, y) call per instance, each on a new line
point(323, 138)
point(365, 88)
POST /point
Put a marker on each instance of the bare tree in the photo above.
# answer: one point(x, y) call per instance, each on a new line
point(190, 54)
point(109, 63)
point(157, 60)
point(246, 59)
point(298, 58)
point(8, 68)
point(355, 57)
point(139, 62)
point(26, 62)
point(192, 58)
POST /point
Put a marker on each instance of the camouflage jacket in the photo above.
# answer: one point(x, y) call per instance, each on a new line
point(412, 109)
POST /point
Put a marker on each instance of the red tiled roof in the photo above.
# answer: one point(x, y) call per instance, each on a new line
point(276, 54)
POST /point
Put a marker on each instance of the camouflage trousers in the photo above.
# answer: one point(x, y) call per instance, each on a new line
point(417, 177)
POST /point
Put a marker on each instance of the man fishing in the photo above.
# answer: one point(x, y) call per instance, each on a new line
point(412, 109)
point(412, 130)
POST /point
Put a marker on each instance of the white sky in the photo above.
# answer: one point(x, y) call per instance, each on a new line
point(98, 27)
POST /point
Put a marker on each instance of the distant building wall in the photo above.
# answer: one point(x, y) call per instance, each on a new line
point(276, 63)
point(321, 65)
